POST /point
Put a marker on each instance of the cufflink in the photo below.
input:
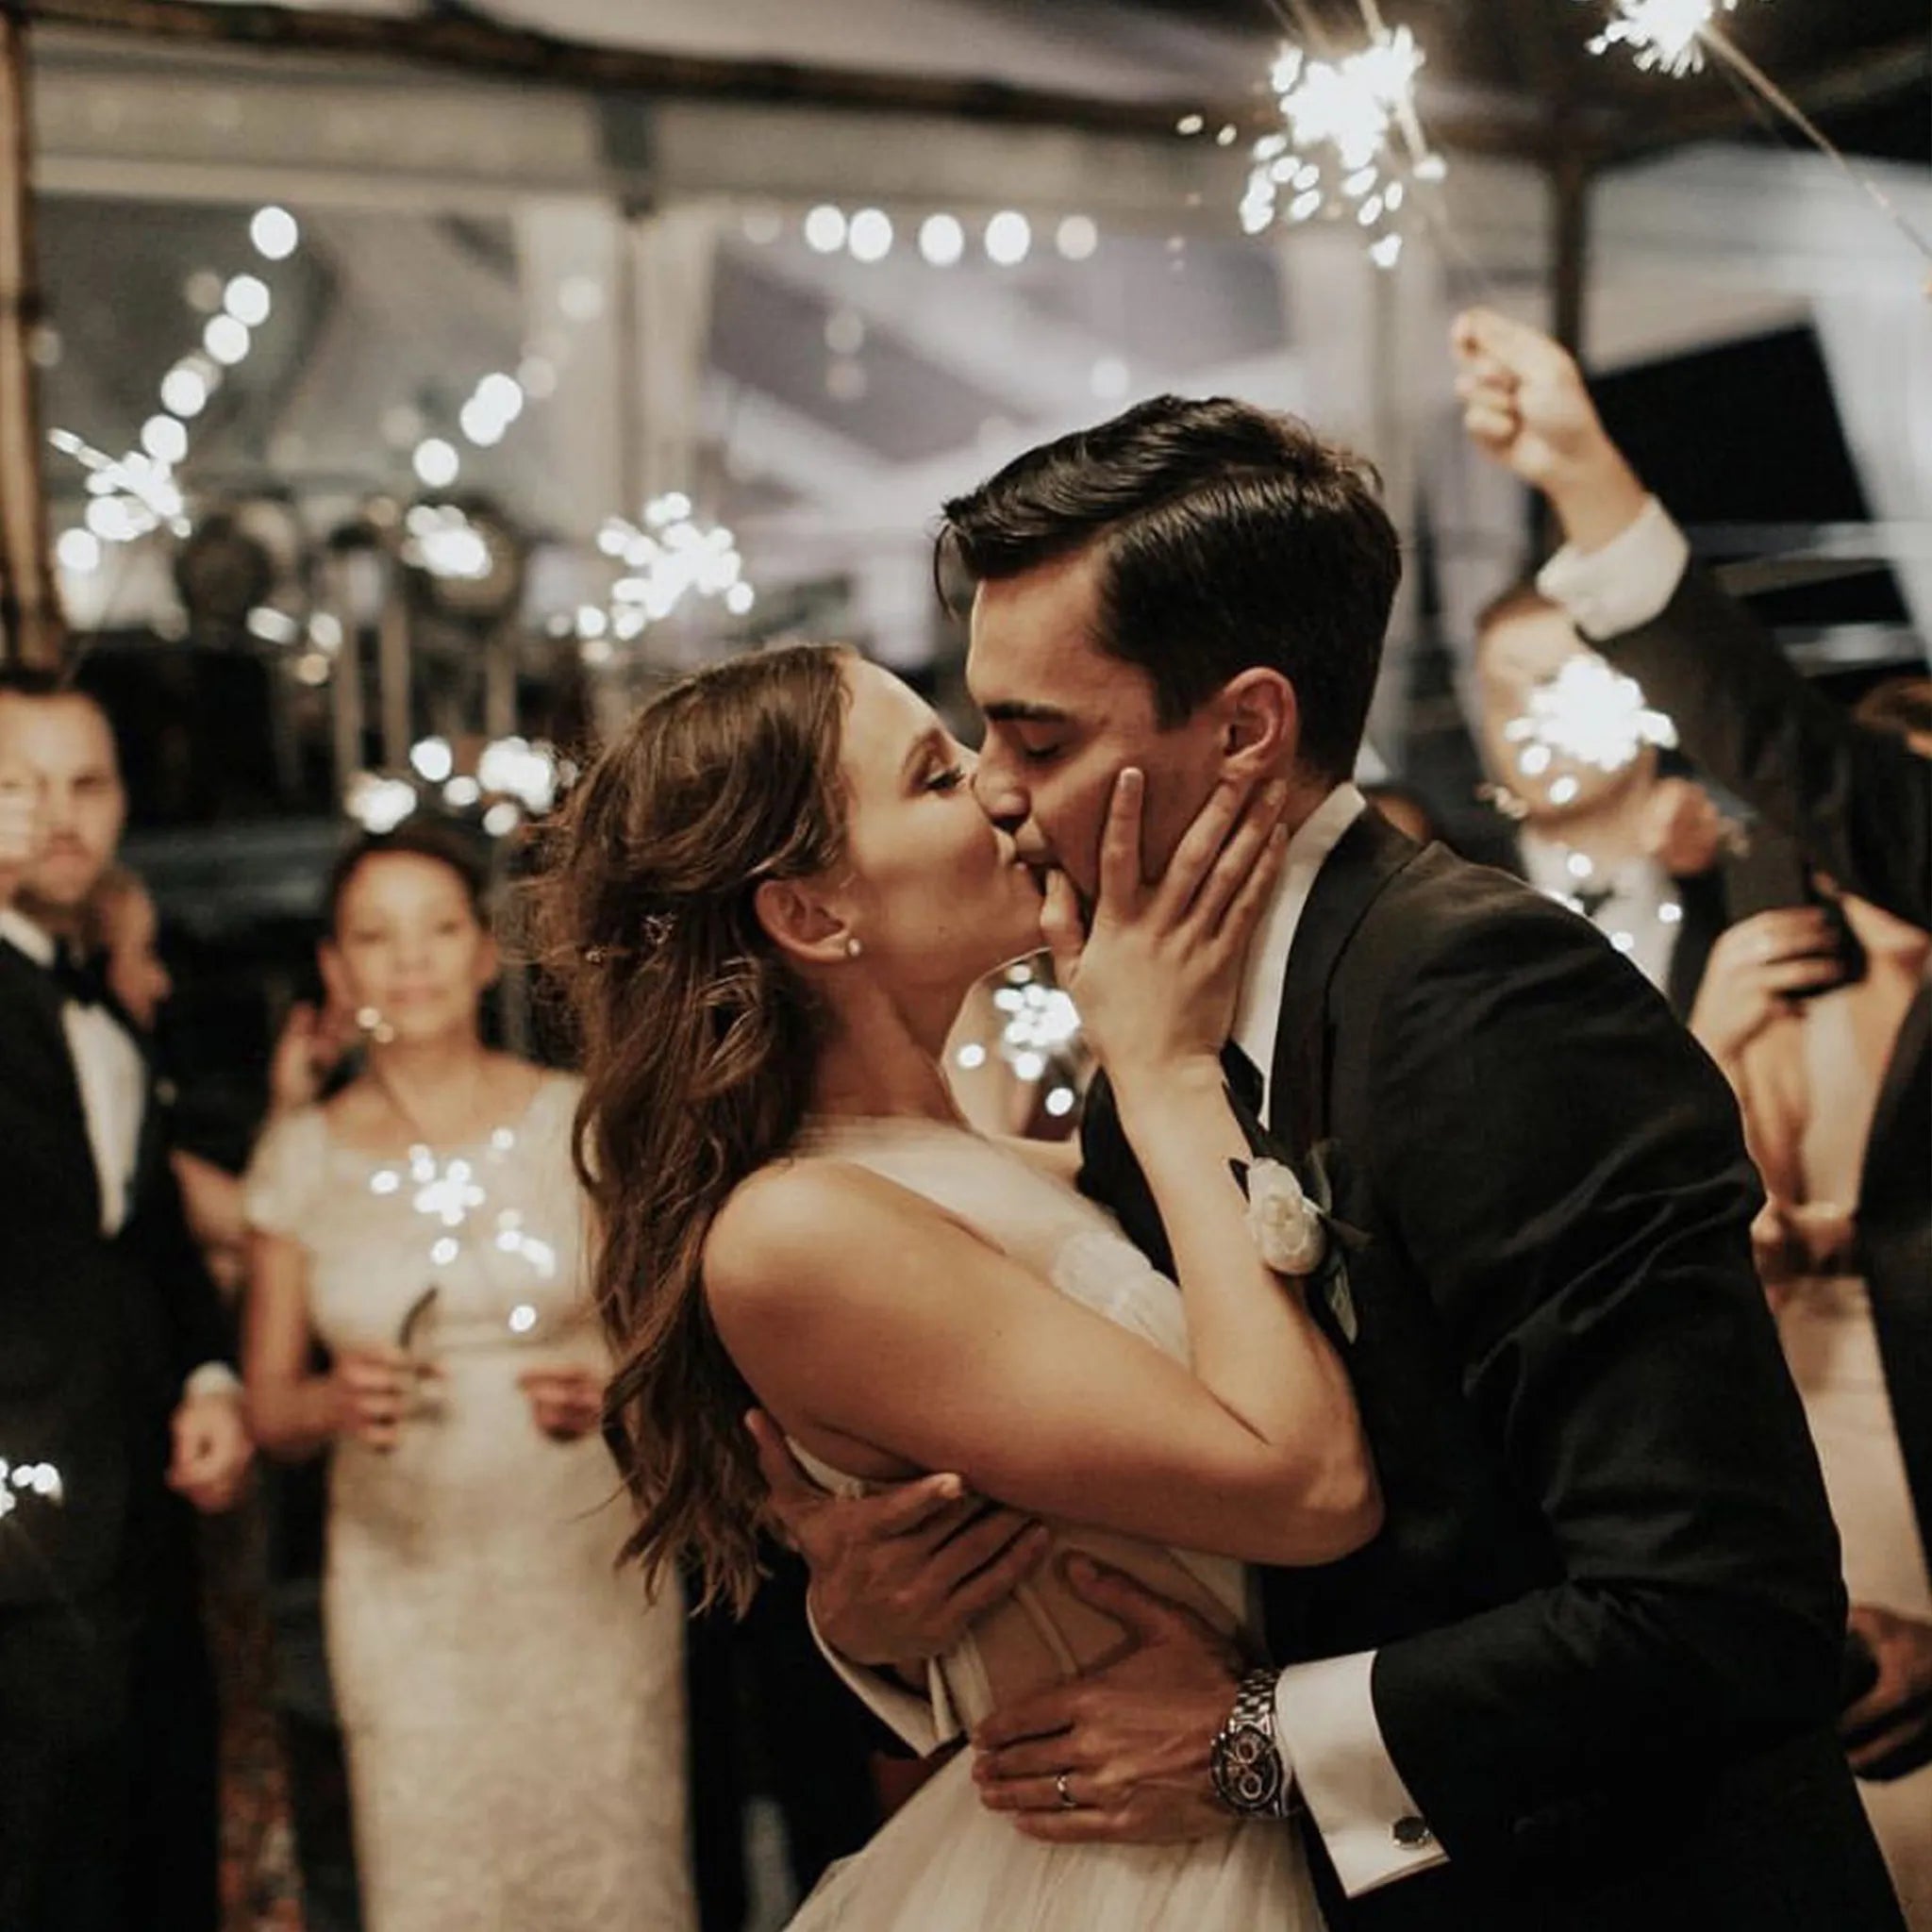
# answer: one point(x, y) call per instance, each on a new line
point(1412, 1834)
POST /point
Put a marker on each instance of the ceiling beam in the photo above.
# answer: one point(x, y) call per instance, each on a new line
point(1860, 80)
point(469, 43)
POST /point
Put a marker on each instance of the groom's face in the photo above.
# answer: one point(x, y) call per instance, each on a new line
point(1063, 719)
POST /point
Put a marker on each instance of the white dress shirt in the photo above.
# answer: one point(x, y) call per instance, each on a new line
point(113, 1077)
point(1627, 582)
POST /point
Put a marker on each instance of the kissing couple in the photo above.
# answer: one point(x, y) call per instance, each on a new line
point(1359, 1485)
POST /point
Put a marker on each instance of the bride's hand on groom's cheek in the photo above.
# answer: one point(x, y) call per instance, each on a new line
point(1157, 972)
point(897, 1577)
point(1122, 1754)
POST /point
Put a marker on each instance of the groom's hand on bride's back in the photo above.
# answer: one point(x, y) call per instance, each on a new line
point(896, 1577)
point(1119, 1756)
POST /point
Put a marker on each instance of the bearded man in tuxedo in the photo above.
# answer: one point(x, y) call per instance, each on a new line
point(114, 1369)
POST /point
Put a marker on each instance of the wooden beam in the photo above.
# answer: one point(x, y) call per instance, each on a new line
point(32, 631)
point(1861, 80)
point(469, 43)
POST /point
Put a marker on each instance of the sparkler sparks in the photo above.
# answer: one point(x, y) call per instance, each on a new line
point(17, 1479)
point(1664, 36)
point(1588, 713)
point(1350, 145)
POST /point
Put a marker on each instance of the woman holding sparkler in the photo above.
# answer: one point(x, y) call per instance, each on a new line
point(513, 1708)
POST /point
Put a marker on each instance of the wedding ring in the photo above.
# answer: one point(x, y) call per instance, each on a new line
point(1064, 1793)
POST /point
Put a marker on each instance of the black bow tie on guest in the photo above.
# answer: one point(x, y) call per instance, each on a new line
point(82, 979)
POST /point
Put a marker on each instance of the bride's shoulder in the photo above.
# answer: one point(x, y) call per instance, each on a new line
point(798, 1218)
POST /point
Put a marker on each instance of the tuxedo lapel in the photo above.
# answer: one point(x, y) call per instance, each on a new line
point(1366, 858)
point(40, 1057)
point(1899, 1150)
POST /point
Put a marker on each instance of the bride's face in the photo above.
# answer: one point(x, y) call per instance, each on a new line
point(936, 897)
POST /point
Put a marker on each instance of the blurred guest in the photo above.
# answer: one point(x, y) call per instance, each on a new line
point(114, 1370)
point(122, 929)
point(1571, 760)
point(1808, 1073)
point(513, 1708)
point(1855, 795)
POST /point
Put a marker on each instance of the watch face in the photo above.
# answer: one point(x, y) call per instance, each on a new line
point(1247, 1771)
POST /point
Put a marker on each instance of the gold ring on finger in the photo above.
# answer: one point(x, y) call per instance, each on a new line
point(1064, 1793)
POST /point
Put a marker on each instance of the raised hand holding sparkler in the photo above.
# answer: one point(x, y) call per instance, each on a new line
point(1525, 405)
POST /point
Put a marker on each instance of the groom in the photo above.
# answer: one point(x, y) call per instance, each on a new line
point(1586, 1677)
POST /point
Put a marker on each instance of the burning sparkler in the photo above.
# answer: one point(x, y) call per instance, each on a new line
point(1664, 36)
point(1589, 713)
point(1350, 144)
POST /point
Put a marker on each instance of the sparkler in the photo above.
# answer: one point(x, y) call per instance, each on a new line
point(1351, 144)
point(17, 1479)
point(1664, 36)
point(669, 558)
point(1589, 713)
point(1673, 37)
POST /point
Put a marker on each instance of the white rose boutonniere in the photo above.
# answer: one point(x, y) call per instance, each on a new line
point(1288, 1229)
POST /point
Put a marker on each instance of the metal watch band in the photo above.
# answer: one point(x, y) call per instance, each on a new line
point(1249, 1776)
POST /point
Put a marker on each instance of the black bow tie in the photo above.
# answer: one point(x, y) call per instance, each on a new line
point(82, 979)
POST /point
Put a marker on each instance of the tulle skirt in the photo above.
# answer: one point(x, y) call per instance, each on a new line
point(947, 1864)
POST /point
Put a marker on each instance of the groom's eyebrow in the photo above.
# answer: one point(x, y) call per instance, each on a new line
point(1016, 711)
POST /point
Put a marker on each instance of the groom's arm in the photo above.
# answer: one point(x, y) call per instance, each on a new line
point(1567, 1172)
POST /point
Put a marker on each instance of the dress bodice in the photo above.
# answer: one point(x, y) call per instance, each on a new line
point(494, 1227)
point(1043, 1633)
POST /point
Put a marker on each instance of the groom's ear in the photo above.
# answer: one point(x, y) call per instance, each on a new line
point(1260, 723)
point(799, 922)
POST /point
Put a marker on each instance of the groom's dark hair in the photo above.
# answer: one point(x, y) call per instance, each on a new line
point(1229, 537)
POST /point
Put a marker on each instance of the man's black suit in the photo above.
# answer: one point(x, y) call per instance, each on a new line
point(107, 1748)
point(1606, 1601)
point(1859, 802)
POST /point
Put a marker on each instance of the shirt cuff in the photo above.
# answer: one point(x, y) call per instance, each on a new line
point(212, 1378)
point(1330, 1743)
point(1625, 584)
point(923, 1723)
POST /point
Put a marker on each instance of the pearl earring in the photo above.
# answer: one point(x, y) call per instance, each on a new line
point(370, 1021)
point(852, 948)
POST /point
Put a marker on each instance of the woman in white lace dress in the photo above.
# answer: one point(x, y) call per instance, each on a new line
point(776, 890)
point(513, 1706)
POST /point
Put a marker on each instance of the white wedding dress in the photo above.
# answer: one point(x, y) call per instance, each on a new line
point(945, 1863)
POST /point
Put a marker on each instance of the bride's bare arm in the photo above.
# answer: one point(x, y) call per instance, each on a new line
point(863, 1317)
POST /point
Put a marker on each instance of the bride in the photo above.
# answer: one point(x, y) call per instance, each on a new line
point(770, 899)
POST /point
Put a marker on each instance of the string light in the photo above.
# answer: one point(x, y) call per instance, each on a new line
point(942, 240)
point(1350, 146)
point(274, 233)
point(1008, 239)
point(442, 540)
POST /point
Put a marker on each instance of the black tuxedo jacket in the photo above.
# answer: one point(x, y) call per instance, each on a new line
point(1859, 802)
point(96, 1334)
point(1605, 1601)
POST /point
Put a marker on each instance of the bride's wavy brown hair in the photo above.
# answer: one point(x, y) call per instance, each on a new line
point(699, 1045)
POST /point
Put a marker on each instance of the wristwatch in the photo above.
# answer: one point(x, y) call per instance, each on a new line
point(1244, 1761)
